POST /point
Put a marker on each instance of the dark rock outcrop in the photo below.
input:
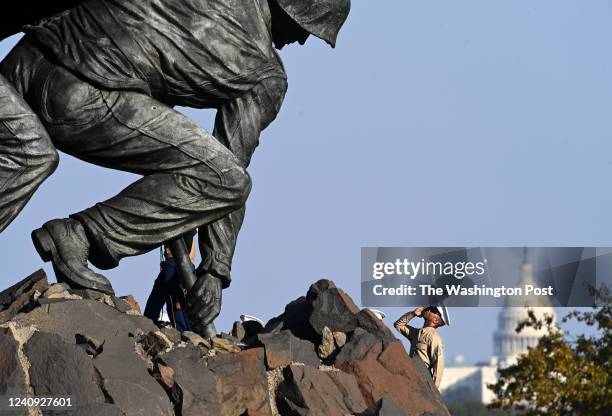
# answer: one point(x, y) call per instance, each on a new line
point(59, 368)
point(384, 407)
point(21, 295)
point(196, 381)
point(308, 390)
point(12, 381)
point(326, 305)
point(283, 348)
point(241, 376)
point(98, 350)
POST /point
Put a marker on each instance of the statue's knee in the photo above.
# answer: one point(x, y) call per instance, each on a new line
point(44, 160)
point(42, 155)
point(50, 160)
point(246, 190)
point(240, 184)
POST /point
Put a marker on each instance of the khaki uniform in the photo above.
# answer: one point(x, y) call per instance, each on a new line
point(425, 343)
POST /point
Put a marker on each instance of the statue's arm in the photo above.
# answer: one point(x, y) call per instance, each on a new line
point(240, 122)
point(238, 126)
point(17, 14)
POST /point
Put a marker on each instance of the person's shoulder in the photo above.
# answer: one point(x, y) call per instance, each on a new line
point(432, 332)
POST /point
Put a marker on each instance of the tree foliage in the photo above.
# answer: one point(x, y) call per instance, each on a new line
point(563, 374)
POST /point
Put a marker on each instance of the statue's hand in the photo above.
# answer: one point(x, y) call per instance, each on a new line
point(204, 303)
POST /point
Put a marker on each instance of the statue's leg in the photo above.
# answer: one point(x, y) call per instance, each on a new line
point(189, 178)
point(27, 156)
point(217, 240)
point(217, 244)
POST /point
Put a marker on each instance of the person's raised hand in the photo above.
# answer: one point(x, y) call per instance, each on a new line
point(419, 310)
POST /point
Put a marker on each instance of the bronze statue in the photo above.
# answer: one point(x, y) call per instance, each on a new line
point(101, 79)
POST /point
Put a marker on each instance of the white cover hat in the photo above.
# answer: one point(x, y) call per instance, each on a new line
point(246, 318)
point(444, 311)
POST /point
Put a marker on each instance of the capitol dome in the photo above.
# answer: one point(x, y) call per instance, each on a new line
point(507, 343)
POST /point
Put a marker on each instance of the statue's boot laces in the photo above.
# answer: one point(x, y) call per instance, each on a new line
point(64, 243)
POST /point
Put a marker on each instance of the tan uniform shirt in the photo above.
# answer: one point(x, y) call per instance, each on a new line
point(426, 343)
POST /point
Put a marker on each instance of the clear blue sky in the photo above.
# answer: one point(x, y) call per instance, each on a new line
point(473, 123)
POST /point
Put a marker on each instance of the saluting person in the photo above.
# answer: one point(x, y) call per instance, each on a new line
point(426, 342)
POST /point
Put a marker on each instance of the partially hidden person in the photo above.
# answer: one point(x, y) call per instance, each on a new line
point(425, 343)
point(167, 291)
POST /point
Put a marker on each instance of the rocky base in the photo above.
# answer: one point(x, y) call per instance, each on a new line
point(321, 356)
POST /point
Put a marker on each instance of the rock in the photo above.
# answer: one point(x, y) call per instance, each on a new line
point(250, 412)
point(331, 307)
point(384, 407)
point(166, 376)
point(195, 339)
point(241, 377)
point(155, 342)
point(47, 301)
point(58, 368)
point(135, 307)
point(324, 305)
point(238, 331)
point(307, 390)
point(12, 382)
point(87, 294)
point(339, 339)
point(358, 346)
point(16, 297)
point(136, 399)
point(328, 345)
point(222, 345)
point(295, 319)
point(91, 345)
point(229, 337)
point(172, 334)
point(224, 385)
point(387, 371)
point(62, 295)
point(319, 287)
point(196, 381)
point(55, 289)
point(110, 301)
point(283, 348)
point(85, 339)
point(349, 389)
point(423, 373)
point(118, 363)
point(93, 409)
point(8, 296)
point(367, 320)
point(124, 373)
point(121, 305)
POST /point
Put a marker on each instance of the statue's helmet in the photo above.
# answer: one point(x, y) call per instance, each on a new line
point(322, 18)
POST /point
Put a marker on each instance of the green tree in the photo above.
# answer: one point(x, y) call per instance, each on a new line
point(562, 374)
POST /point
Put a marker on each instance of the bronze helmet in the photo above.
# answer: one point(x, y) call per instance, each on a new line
point(322, 18)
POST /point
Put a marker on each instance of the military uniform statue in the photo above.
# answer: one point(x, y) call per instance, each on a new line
point(99, 82)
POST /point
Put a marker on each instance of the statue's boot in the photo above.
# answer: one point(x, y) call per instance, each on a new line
point(64, 243)
point(207, 331)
